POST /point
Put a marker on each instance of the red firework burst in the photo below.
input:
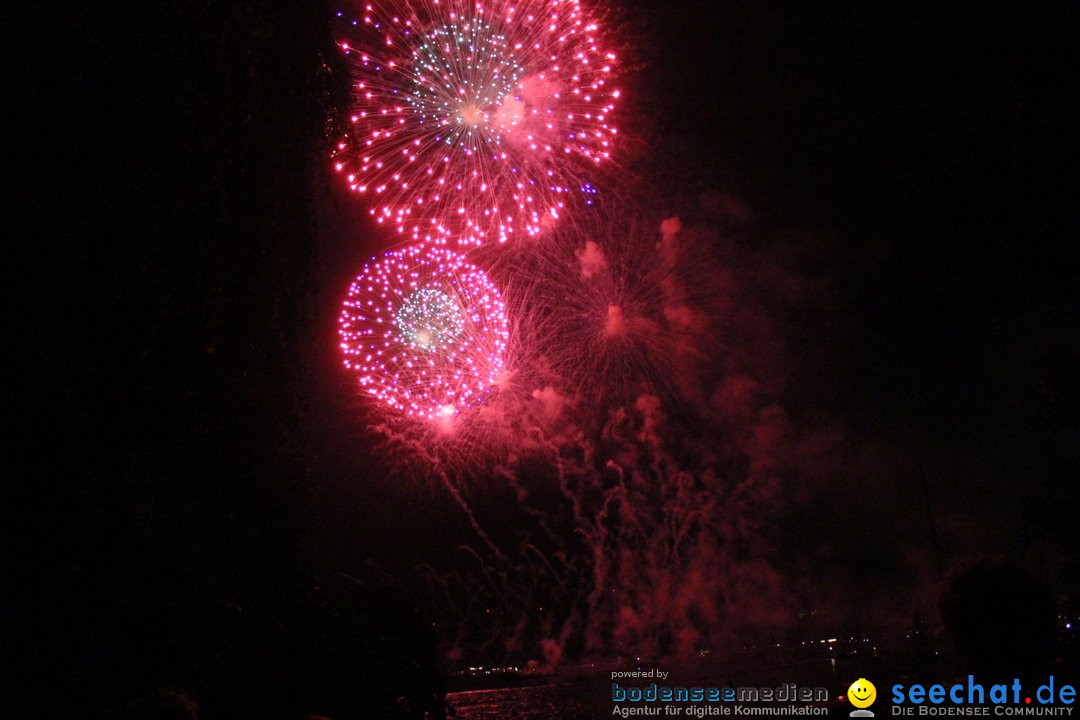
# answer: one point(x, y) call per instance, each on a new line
point(424, 331)
point(472, 121)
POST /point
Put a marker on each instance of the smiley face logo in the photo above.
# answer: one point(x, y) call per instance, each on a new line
point(862, 693)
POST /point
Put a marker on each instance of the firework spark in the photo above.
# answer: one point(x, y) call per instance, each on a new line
point(612, 306)
point(475, 122)
point(424, 331)
point(655, 451)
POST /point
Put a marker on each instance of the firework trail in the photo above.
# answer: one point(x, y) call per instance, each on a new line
point(608, 305)
point(626, 475)
point(475, 122)
point(424, 331)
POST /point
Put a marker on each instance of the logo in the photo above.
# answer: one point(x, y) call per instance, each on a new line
point(862, 695)
point(1007, 700)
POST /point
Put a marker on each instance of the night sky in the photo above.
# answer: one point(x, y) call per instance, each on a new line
point(183, 441)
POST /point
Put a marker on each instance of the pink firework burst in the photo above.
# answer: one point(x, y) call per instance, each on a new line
point(424, 331)
point(473, 121)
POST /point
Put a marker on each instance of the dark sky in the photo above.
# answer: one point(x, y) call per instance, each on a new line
point(936, 146)
point(177, 240)
point(936, 142)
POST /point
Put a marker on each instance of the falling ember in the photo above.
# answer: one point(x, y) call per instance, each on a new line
point(475, 123)
point(424, 331)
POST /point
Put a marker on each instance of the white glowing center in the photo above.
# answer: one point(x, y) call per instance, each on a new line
point(429, 319)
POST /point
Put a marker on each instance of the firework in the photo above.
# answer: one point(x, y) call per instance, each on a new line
point(612, 307)
point(424, 331)
point(654, 451)
point(476, 122)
